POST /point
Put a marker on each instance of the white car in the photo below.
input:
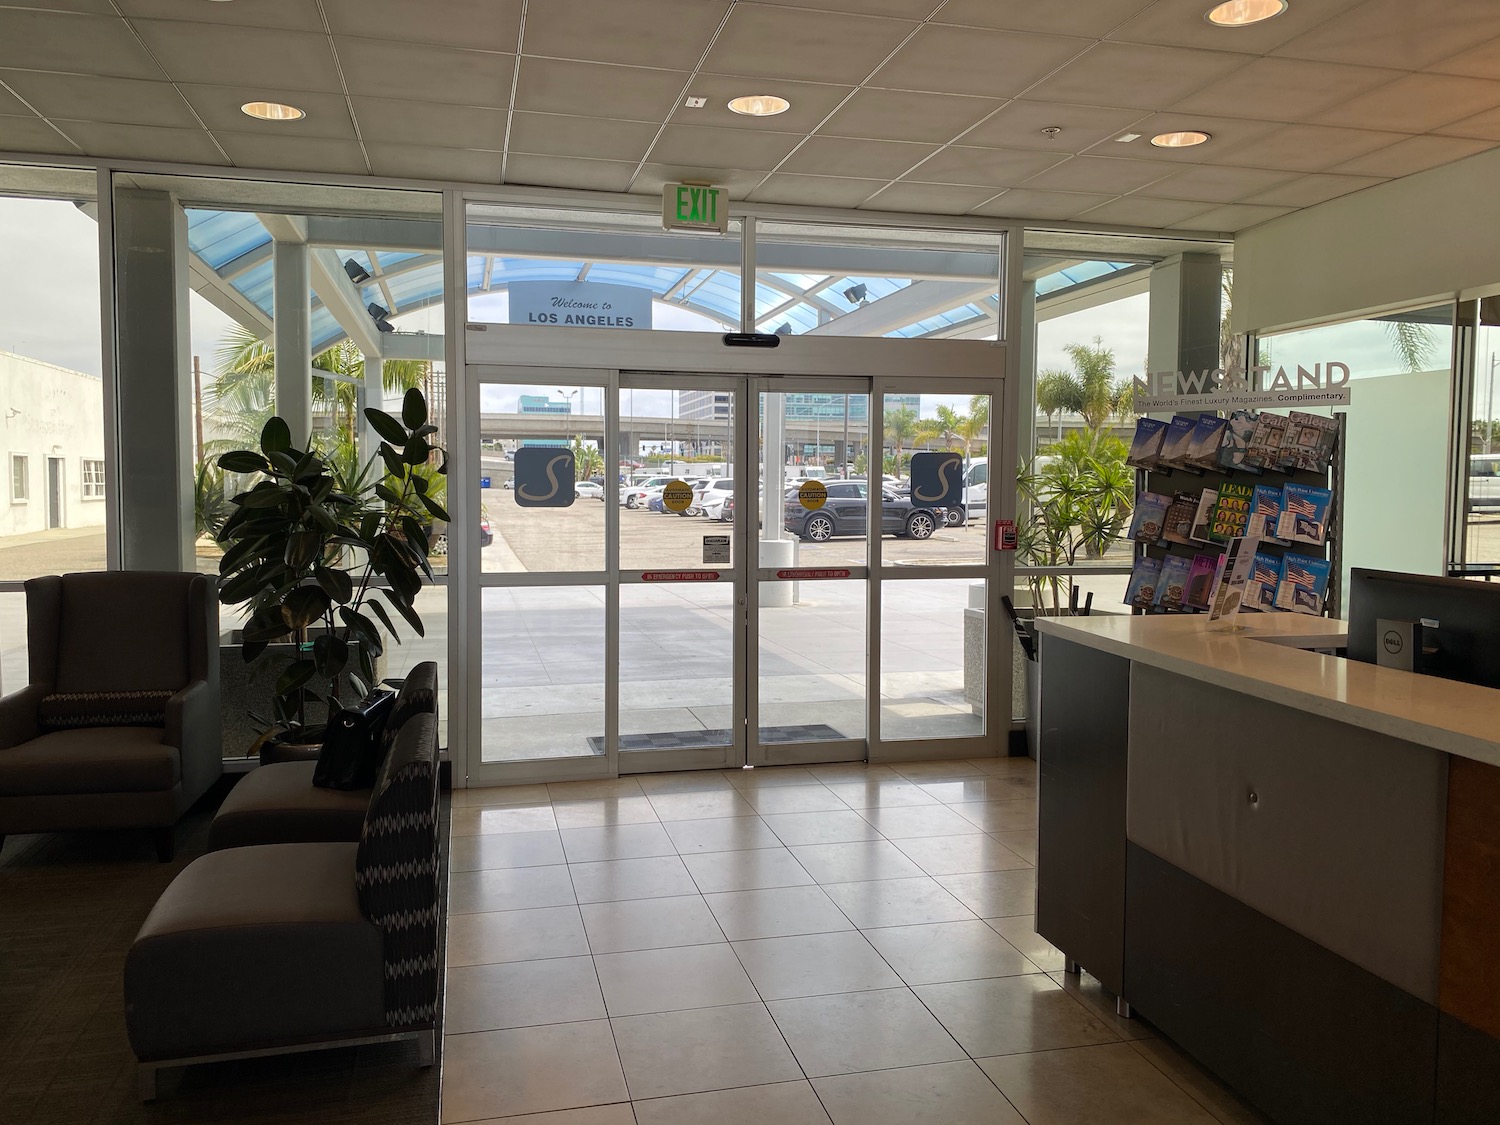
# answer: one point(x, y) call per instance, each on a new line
point(587, 489)
point(636, 495)
point(710, 496)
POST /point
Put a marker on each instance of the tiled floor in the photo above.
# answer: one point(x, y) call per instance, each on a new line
point(843, 944)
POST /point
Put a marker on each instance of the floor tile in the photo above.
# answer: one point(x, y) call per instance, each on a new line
point(947, 951)
point(897, 902)
point(703, 1049)
point(892, 792)
point(618, 1114)
point(617, 879)
point(504, 849)
point(762, 776)
point(859, 1031)
point(820, 828)
point(1024, 784)
point(1020, 931)
point(1022, 843)
point(1006, 1015)
point(995, 894)
point(519, 888)
point(969, 789)
point(935, 770)
point(814, 965)
point(530, 1070)
point(616, 841)
point(960, 855)
point(668, 980)
point(855, 861)
point(1092, 1084)
point(781, 1103)
point(605, 787)
point(933, 820)
point(649, 923)
point(691, 781)
point(506, 818)
point(850, 771)
point(599, 811)
point(1089, 992)
point(953, 1093)
point(487, 795)
point(1225, 1105)
point(521, 994)
point(1016, 815)
point(721, 834)
point(1005, 766)
point(776, 912)
point(793, 799)
point(700, 805)
point(516, 935)
point(746, 871)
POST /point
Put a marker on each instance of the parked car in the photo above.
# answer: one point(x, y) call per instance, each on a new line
point(709, 498)
point(437, 535)
point(1484, 481)
point(846, 512)
point(588, 490)
point(636, 495)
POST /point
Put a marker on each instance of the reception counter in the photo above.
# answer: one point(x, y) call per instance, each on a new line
point(1287, 861)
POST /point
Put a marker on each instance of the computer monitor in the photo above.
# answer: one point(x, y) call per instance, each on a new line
point(1460, 617)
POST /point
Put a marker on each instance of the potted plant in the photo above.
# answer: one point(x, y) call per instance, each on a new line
point(321, 555)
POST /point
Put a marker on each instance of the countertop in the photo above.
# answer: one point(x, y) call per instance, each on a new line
point(1445, 715)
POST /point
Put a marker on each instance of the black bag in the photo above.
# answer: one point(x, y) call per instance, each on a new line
point(350, 757)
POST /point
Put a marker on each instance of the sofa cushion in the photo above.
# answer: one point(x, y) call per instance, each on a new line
point(90, 760)
point(251, 947)
point(278, 804)
point(71, 709)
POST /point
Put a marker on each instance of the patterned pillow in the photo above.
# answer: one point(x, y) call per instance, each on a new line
point(72, 710)
point(418, 696)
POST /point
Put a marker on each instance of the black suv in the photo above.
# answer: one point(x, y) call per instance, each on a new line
point(845, 513)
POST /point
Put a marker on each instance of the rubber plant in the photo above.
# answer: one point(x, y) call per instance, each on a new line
point(322, 558)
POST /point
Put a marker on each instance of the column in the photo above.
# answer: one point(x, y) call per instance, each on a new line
point(371, 394)
point(1185, 294)
point(293, 315)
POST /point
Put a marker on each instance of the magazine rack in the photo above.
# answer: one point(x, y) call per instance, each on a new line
point(1170, 481)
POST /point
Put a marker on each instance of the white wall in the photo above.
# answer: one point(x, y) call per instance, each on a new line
point(1429, 235)
point(48, 411)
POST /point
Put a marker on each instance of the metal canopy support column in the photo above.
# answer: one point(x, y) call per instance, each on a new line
point(153, 382)
point(293, 335)
point(1185, 310)
point(372, 394)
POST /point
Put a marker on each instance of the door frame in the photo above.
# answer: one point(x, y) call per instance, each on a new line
point(56, 494)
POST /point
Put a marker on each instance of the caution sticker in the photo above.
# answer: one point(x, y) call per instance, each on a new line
point(677, 496)
point(813, 494)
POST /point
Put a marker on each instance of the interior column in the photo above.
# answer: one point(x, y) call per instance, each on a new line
point(293, 334)
point(1186, 291)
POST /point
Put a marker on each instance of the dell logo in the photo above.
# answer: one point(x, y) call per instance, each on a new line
point(1392, 642)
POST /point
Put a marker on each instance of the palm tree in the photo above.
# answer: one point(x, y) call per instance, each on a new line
point(1058, 392)
point(900, 430)
point(1412, 342)
point(949, 424)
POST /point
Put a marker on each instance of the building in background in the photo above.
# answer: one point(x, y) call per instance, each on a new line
point(53, 426)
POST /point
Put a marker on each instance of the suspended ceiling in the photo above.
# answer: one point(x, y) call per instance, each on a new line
point(899, 105)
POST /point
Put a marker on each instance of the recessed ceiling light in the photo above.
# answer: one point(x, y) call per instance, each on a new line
point(1124, 137)
point(696, 102)
point(760, 105)
point(1187, 138)
point(1240, 13)
point(272, 111)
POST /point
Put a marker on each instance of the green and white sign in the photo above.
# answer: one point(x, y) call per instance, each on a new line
point(694, 207)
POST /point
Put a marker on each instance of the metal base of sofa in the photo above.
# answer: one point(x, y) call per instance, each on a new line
point(427, 1052)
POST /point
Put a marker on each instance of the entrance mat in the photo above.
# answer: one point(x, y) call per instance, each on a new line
point(697, 739)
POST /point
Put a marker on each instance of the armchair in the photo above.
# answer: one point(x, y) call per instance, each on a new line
point(119, 726)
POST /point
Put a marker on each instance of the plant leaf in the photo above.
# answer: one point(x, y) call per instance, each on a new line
point(243, 461)
point(406, 610)
point(276, 437)
point(437, 510)
point(297, 673)
point(417, 451)
point(303, 548)
point(335, 583)
point(379, 611)
point(304, 605)
point(331, 654)
point(386, 426)
point(413, 408)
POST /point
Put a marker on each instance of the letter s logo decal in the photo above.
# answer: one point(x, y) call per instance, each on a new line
point(525, 493)
point(946, 472)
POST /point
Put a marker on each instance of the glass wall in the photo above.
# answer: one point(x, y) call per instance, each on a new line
point(1479, 459)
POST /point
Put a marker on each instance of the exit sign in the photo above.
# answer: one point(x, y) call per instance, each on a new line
point(694, 207)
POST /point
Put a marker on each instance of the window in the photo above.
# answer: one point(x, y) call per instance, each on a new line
point(93, 480)
point(20, 477)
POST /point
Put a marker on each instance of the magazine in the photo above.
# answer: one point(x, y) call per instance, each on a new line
point(1150, 518)
point(1145, 451)
point(1231, 514)
point(1203, 518)
point(1178, 442)
point(1143, 582)
point(1200, 582)
point(1265, 514)
point(1208, 434)
point(1171, 584)
point(1264, 450)
point(1304, 513)
point(1179, 519)
point(1234, 576)
point(1309, 441)
point(1236, 444)
point(1303, 583)
point(1265, 575)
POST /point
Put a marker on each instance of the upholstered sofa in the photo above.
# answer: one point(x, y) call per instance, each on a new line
point(119, 725)
point(274, 948)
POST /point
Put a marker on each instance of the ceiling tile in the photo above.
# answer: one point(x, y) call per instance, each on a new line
point(391, 121)
point(425, 162)
point(1485, 126)
point(582, 89)
point(241, 56)
point(1181, 23)
point(1415, 154)
point(10, 105)
point(290, 15)
point(144, 142)
point(818, 191)
point(567, 172)
point(1023, 203)
point(901, 115)
point(1126, 74)
point(103, 7)
point(839, 156)
point(1399, 33)
point(966, 60)
point(722, 148)
point(930, 199)
point(900, 9)
point(738, 182)
point(1101, 174)
point(73, 43)
point(425, 74)
point(1416, 103)
point(219, 106)
point(1020, 125)
point(661, 33)
point(1077, 17)
point(1214, 184)
point(811, 103)
point(83, 98)
point(1309, 191)
point(294, 154)
point(1307, 148)
point(1138, 211)
point(553, 134)
point(769, 42)
point(1235, 217)
point(982, 167)
point(1481, 62)
point(1290, 90)
point(482, 25)
point(32, 134)
point(1224, 133)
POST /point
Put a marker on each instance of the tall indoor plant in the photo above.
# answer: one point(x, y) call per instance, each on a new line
point(320, 558)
